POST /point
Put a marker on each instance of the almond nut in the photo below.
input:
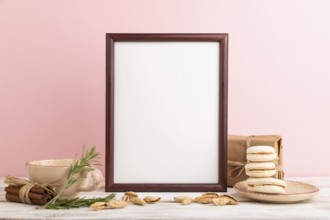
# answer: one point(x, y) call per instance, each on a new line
point(116, 204)
point(181, 198)
point(137, 201)
point(151, 199)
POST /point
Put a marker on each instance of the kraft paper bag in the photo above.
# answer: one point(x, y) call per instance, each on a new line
point(237, 146)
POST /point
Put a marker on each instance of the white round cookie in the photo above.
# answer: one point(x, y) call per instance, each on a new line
point(270, 189)
point(260, 150)
point(261, 153)
point(260, 166)
point(262, 181)
point(261, 157)
point(266, 169)
point(261, 174)
point(266, 185)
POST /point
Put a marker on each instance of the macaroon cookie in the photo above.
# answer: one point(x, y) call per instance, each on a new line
point(260, 153)
point(266, 185)
point(264, 169)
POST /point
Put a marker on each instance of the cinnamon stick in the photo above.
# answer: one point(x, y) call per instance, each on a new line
point(31, 195)
point(15, 198)
point(36, 189)
point(38, 195)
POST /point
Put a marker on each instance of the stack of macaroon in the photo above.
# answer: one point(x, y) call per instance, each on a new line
point(261, 169)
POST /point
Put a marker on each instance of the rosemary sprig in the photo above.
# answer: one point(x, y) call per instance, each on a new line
point(82, 165)
point(78, 202)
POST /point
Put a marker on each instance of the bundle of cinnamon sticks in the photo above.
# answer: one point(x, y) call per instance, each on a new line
point(38, 195)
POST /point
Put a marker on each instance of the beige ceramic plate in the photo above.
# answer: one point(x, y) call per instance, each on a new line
point(295, 192)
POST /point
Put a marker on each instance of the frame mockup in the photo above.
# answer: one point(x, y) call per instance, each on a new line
point(166, 112)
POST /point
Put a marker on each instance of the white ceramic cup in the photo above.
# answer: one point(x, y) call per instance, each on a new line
point(55, 172)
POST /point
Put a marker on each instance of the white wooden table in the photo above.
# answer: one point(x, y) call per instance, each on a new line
point(315, 208)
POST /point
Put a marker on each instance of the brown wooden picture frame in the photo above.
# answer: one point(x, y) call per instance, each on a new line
point(221, 184)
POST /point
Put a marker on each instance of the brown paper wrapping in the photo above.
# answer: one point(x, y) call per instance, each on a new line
point(237, 155)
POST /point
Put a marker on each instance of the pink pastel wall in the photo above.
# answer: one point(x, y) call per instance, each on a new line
point(52, 72)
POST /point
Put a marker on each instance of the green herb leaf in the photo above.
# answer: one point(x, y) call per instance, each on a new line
point(84, 164)
point(78, 202)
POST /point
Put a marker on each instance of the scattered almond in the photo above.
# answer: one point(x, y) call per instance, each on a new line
point(151, 199)
point(211, 194)
point(232, 200)
point(203, 199)
point(187, 201)
point(125, 198)
point(137, 201)
point(117, 204)
point(131, 194)
point(98, 206)
point(181, 198)
point(224, 200)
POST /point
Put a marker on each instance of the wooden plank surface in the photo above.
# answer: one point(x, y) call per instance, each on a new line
point(315, 208)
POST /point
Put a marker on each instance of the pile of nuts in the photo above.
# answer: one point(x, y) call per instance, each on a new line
point(207, 198)
point(132, 197)
point(129, 197)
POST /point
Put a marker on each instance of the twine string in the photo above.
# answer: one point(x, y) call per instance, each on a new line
point(25, 189)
